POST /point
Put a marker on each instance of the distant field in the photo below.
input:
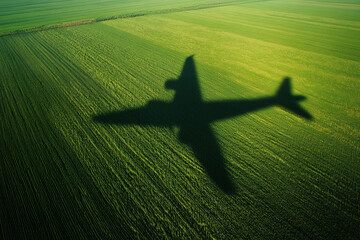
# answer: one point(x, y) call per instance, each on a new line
point(64, 175)
point(18, 15)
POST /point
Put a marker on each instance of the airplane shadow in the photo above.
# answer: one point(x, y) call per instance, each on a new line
point(193, 116)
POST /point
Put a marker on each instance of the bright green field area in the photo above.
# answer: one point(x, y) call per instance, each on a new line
point(64, 175)
point(28, 14)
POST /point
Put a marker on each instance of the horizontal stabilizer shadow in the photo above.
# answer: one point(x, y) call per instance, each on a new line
point(193, 117)
point(289, 101)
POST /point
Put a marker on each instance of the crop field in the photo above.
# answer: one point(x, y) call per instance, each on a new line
point(95, 142)
point(20, 15)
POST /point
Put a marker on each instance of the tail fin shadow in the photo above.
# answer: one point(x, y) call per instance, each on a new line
point(287, 100)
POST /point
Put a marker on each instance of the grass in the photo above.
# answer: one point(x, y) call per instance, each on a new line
point(65, 176)
point(21, 15)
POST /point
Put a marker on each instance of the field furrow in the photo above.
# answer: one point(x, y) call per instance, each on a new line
point(76, 163)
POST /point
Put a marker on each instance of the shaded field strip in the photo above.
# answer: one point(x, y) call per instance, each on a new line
point(127, 15)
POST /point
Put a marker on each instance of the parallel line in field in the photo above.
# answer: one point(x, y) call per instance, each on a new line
point(131, 15)
point(51, 58)
point(148, 166)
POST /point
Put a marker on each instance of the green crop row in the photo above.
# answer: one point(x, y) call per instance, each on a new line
point(65, 175)
point(21, 16)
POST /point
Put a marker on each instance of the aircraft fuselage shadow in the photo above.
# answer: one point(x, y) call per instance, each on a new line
point(193, 117)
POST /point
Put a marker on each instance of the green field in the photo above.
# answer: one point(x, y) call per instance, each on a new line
point(20, 15)
point(64, 175)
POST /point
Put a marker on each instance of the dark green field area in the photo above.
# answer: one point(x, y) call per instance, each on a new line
point(66, 175)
